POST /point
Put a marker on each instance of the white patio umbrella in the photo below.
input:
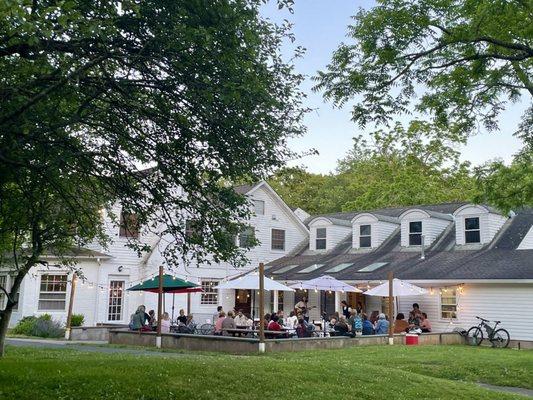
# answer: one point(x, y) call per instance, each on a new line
point(251, 281)
point(326, 282)
point(399, 288)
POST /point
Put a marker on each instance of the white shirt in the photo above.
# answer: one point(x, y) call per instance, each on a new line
point(291, 322)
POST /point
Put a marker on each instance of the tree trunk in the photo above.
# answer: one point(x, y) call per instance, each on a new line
point(4, 323)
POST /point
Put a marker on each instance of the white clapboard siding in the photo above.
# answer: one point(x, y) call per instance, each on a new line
point(510, 303)
point(431, 227)
point(527, 241)
point(489, 223)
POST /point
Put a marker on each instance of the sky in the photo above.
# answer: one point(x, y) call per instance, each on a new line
point(320, 26)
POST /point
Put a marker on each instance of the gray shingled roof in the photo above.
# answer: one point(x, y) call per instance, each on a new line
point(245, 188)
point(444, 260)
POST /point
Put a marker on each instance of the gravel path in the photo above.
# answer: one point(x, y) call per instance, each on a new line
point(508, 389)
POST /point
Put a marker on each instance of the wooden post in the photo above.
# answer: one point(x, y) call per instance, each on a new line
point(391, 308)
point(71, 304)
point(159, 307)
point(188, 303)
point(261, 308)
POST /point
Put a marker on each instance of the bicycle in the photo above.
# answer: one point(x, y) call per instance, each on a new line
point(498, 337)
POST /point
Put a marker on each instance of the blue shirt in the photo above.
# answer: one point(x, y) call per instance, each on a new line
point(382, 327)
point(368, 329)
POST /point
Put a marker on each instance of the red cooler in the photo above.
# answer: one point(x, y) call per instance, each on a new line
point(411, 339)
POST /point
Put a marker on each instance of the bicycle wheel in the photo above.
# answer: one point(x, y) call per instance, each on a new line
point(206, 329)
point(474, 336)
point(500, 338)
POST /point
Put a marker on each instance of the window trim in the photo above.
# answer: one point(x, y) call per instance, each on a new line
point(212, 292)
point(417, 233)
point(248, 237)
point(122, 298)
point(39, 308)
point(322, 239)
point(478, 230)
point(125, 231)
point(272, 239)
point(369, 236)
point(442, 294)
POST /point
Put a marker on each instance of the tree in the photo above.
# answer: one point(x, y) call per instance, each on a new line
point(94, 92)
point(398, 167)
point(467, 57)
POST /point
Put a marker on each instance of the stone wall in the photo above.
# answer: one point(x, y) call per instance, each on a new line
point(244, 345)
point(91, 333)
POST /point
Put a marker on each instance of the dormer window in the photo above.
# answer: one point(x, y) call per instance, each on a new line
point(415, 233)
point(472, 231)
point(365, 236)
point(321, 238)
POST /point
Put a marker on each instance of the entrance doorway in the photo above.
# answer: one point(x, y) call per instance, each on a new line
point(328, 303)
point(243, 301)
point(354, 298)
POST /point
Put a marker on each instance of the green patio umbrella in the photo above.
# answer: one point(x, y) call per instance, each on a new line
point(171, 284)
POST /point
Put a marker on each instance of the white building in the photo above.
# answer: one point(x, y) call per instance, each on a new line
point(101, 297)
point(474, 261)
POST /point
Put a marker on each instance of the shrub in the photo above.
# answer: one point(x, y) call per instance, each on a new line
point(24, 326)
point(77, 320)
point(42, 326)
point(47, 328)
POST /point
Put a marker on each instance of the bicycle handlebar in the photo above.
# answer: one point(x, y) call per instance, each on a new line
point(483, 319)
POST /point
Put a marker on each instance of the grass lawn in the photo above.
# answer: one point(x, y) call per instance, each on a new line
point(440, 372)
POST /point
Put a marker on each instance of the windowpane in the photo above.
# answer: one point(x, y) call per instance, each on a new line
point(415, 239)
point(365, 241)
point(472, 237)
point(210, 292)
point(278, 239)
point(339, 267)
point(321, 244)
point(321, 233)
point(246, 238)
point(321, 238)
point(448, 304)
point(415, 227)
point(129, 226)
point(365, 230)
point(284, 269)
point(259, 207)
point(116, 300)
point(472, 223)
point(53, 292)
point(310, 268)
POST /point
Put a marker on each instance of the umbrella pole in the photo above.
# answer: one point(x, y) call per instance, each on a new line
point(159, 307)
point(391, 305)
point(173, 304)
point(261, 308)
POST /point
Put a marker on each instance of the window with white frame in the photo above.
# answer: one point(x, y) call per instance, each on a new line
point(210, 293)
point(116, 301)
point(53, 292)
point(320, 238)
point(259, 207)
point(278, 239)
point(472, 231)
point(415, 233)
point(448, 304)
point(365, 236)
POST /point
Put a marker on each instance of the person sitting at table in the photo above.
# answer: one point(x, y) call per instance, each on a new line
point(291, 321)
point(368, 328)
point(249, 321)
point(240, 319)
point(414, 319)
point(373, 317)
point(267, 319)
point(425, 325)
point(182, 318)
point(341, 327)
point(190, 324)
point(400, 324)
point(228, 323)
point(218, 323)
point(302, 330)
point(281, 316)
point(138, 319)
point(274, 325)
point(382, 325)
point(165, 323)
point(152, 320)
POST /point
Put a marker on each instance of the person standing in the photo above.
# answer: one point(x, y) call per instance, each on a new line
point(228, 323)
point(165, 323)
point(217, 314)
point(302, 307)
point(345, 309)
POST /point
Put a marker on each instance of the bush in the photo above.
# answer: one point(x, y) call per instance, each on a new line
point(24, 326)
point(47, 328)
point(77, 320)
point(42, 326)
